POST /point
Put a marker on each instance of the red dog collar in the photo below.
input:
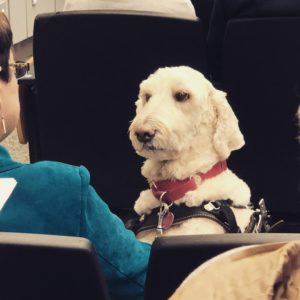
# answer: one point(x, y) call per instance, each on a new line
point(171, 190)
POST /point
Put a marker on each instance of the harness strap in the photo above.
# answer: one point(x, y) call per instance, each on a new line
point(218, 211)
point(252, 224)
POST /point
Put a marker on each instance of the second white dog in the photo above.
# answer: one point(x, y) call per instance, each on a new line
point(186, 130)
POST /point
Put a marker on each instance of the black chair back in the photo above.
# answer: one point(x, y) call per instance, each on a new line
point(173, 258)
point(262, 78)
point(35, 267)
point(88, 66)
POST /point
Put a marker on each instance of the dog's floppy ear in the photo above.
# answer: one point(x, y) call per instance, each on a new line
point(227, 136)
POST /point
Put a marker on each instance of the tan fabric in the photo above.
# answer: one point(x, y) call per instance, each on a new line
point(179, 8)
point(262, 272)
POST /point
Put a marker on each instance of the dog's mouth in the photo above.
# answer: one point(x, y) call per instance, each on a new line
point(150, 147)
point(151, 151)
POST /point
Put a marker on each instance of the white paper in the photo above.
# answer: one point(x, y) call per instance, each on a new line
point(7, 185)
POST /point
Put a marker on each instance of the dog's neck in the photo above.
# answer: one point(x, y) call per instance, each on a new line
point(169, 191)
point(181, 168)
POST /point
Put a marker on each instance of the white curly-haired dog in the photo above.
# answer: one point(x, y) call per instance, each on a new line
point(186, 130)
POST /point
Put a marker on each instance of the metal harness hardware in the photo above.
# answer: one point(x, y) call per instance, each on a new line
point(163, 211)
point(263, 217)
point(260, 220)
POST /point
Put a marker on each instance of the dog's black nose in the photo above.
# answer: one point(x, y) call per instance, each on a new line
point(144, 136)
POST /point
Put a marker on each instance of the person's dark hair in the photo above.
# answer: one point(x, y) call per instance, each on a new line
point(5, 46)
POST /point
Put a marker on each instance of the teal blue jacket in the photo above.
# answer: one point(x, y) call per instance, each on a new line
point(56, 198)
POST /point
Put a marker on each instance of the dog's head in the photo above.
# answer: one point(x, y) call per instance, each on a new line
point(178, 110)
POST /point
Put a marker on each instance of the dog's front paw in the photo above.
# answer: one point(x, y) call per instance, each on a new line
point(145, 203)
point(193, 199)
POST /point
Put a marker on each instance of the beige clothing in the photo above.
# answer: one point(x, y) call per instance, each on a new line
point(262, 272)
point(179, 8)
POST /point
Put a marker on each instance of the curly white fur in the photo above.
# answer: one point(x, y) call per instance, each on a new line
point(189, 137)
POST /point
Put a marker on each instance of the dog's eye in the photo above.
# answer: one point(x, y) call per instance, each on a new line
point(147, 96)
point(181, 96)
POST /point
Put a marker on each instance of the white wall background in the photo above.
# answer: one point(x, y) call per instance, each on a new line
point(22, 13)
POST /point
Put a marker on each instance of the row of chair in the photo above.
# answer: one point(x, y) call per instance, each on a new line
point(35, 266)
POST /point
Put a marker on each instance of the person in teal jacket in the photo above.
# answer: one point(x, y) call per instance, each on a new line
point(56, 198)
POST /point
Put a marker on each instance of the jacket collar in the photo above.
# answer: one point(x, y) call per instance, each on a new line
point(6, 162)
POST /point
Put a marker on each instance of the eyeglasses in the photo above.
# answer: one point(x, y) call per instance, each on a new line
point(21, 68)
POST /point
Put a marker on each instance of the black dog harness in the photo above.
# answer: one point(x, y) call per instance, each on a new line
point(220, 211)
point(167, 216)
